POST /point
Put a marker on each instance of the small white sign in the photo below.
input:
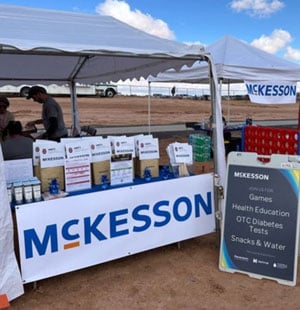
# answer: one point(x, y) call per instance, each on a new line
point(78, 150)
point(121, 171)
point(52, 155)
point(180, 153)
point(100, 149)
point(124, 145)
point(148, 148)
point(18, 170)
point(37, 145)
point(77, 174)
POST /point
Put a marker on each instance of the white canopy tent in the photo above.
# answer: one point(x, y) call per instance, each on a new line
point(235, 62)
point(44, 46)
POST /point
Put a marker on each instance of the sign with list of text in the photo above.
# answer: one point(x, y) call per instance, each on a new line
point(261, 220)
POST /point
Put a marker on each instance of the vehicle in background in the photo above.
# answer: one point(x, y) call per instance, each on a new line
point(98, 89)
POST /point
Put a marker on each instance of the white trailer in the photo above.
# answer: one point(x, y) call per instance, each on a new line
point(100, 89)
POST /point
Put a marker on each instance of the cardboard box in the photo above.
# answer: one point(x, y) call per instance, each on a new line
point(201, 167)
point(37, 171)
point(98, 169)
point(47, 174)
point(152, 164)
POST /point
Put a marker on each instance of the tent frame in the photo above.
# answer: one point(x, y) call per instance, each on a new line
point(84, 56)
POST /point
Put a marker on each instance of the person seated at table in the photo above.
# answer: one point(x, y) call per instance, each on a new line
point(5, 117)
point(15, 145)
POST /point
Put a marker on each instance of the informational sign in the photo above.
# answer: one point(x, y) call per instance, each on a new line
point(260, 229)
point(52, 155)
point(77, 174)
point(148, 148)
point(121, 169)
point(180, 153)
point(18, 169)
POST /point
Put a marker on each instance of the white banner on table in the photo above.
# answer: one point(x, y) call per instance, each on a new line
point(79, 231)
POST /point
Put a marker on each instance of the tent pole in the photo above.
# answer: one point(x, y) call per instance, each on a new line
point(218, 147)
point(149, 107)
point(220, 90)
point(75, 130)
point(228, 102)
point(298, 150)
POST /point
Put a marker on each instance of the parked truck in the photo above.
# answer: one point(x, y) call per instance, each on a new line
point(99, 89)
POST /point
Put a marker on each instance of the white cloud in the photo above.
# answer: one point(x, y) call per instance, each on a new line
point(122, 11)
point(278, 40)
point(292, 53)
point(259, 8)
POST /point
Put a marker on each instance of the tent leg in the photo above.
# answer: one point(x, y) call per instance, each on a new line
point(149, 108)
point(219, 149)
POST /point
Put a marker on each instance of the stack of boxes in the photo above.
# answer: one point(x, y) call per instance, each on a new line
point(201, 147)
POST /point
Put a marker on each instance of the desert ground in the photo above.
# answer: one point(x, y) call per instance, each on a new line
point(131, 110)
point(177, 276)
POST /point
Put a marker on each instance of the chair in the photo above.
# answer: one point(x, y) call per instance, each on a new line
point(88, 131)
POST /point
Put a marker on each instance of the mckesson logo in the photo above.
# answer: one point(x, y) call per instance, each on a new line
point(103, 226)
point(271, 89)
point(250, 175)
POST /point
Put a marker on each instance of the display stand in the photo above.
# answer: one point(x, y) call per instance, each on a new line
point(260, 231)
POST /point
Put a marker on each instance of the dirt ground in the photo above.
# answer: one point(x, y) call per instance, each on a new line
point(130, 110)
point(177, 276)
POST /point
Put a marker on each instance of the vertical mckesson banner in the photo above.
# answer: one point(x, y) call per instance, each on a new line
point(261, 223)
point(276, 92)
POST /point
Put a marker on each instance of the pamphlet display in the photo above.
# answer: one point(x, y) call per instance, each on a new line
point(180, 155)
point(121, 169)
point(260, 232)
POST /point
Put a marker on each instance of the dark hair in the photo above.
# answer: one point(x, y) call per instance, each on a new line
point(35, 90)
point(4, 100)
point(14, 128)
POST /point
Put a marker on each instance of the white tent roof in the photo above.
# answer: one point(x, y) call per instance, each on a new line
point(236, 61)
point(57, 47)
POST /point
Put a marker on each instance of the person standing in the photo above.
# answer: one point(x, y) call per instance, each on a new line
point(52, 116)
point(5, 116)
point(173, 90)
